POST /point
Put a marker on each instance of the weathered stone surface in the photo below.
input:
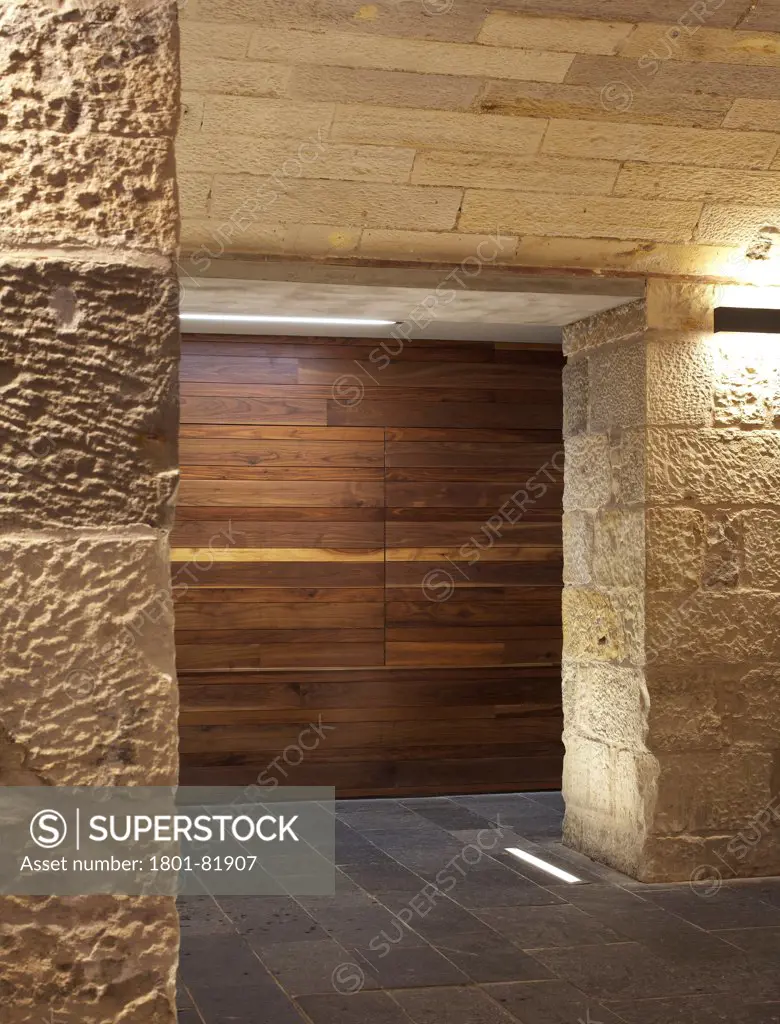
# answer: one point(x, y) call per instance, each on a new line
point(705, 792)
point(588, 472)
point(747, 372)
point(88, 668)
point(89, 395)
point(679, 381)
point(717, 627)
point(751, 705)
point(761, 532)
point(612, 325)
point(686, 710)
point(713, 467)
point(602, 626)
point(88, 960)
point(617, 386)
point(675, 550)
point(628, 454)
point(619, 548)
point(575, 397)
point(87, 190)
point(89, 65)
point(672, 305)
point(577, 547)
point(609, 704)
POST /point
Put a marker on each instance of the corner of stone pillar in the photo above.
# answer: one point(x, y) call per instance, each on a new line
point(671, 603)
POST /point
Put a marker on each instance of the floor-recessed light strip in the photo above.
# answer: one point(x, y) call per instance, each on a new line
point(323, 321)
point(544, 866)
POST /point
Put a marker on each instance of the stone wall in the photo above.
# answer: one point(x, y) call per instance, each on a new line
point(672, 599)
point(620, 135)
point(88, 376)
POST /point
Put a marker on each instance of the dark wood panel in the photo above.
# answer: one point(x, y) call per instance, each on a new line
point(306, 531)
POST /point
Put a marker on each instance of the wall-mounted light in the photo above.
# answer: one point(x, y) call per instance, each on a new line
point(746, 320)
point(320, 321)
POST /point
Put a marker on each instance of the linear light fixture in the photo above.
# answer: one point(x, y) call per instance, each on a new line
point(321, 321)
point(746, 320)
point(537, 862)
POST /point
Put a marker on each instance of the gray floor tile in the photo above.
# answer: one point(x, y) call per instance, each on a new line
point(753, 940)
point(412, 967)
point(451, 1006)
point(386, 875)
point(361, 1008)
point(697, 1010)
point(247, 1004)
point(726, 908)
point(218, 960)
point(487, 957)
point(309, 968)
point(550, 1002)
point(265, 919)
point(201, 915)
point(537, 927)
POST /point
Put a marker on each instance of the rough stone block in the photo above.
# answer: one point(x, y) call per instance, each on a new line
point(521, 174)
point(569, 35)
point(674, 305)
point(715, 627)
point(612, 325)
point(383, 88)
point(588, 475)
point(610, 704)
point(89, 413)
point(88, 688)
point(761, 533)
point(575, 397)
point(619, 548)
point(713, 467)
point(751, 705)
point(669, 181)
point(577, 547)
point(109, 67)
point(87, 190)
point(628, 456)
point(747, 380)
point(618, 375)
point(599, 626)
point(686, 709)
point(679, 382)
point(675, 548)
point(709, 791)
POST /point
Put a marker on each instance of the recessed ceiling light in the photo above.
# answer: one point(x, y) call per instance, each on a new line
point(537, 862)
point(323, 321)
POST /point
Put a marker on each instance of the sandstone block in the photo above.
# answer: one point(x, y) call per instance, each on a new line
point(335, 202)
point(675, 548)
point(341, 49)
point(619, 548)
point(433, 245)
point(571, 215)
point(684, 306)
point(680, 374)
point(233, 77)
point(569, 35)
point(532, 174)
point(710, 791)
point(685, 708)
point(215, 39)
point(702, 43)
point(382, 88)
point(108, 68)
point(438, 129)
point(601, 101)
point(611, 706)
point(588, 477)
point(667, 181)
point(577, 548)
point(747, 380)
point(659, 144)
point(628, 455)
point(207, 240)
point(600, 626)
point(194, 193)
point(96, 959)
point(89, 386)
point(754, 115)
point(713, 627)
point(248, 115)
point(712, 467)
point(575, 397)
point(89, 677)
point(612, 325)
point(751, 705)
point(618, 376)
point(761, 532)
point(87, 190)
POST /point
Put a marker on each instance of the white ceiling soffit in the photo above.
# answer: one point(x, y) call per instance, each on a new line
point(526, 309)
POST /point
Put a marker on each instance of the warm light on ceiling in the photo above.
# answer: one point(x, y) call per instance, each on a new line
point(537, 862)
point(321, 321)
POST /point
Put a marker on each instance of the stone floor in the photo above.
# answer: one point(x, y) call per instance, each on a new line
point(496, 942)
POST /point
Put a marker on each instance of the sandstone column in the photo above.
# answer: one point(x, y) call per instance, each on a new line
point(88, 419)
point(672, 597)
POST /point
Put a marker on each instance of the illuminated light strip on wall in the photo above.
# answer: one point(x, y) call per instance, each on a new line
point(544, 866)
point(322, 321)
point(746, 320)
